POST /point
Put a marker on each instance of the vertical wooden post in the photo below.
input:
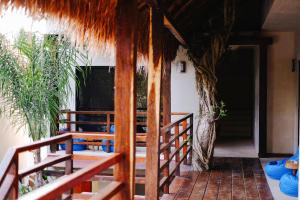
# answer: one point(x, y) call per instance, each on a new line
point(166, 92)
point(177, 157)
point(107, 143)
point(125, 95)
point(153, 101)
point(107, 123)
point(69, 163)
point(184, 137)
point(14, 168)
point(191, 137)
point(166, 101)
point(69, 150)
point(68, 120)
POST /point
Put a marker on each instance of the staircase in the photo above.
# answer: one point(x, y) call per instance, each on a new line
point(236, 124)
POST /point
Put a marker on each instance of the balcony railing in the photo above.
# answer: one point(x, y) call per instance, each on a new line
point(175, 145)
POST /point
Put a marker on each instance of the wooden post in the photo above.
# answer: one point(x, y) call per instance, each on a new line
point(69, 150)
point(125, 95)
point(153, 101)
point(14, 168)
point(177, 156)
point(191, 138)
point(107, 143)
point(107, 123)
point(184, 137)
point(68, 120)
point(69, 163)
point(166, 101)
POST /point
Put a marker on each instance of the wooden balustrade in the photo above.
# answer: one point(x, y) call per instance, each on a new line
point(175, 148)
point(10, 175)
point(95, 138)
point(183, 142)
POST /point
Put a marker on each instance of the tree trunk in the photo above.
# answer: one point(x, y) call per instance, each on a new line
point(38, 175)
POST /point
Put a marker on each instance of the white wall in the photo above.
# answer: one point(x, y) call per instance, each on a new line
point(281, 93)
point(14, 136)
point(184, 95)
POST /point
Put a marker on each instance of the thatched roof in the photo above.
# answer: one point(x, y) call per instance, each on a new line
point(92, 20)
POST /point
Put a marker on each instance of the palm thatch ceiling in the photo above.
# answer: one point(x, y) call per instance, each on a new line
point(192, 18)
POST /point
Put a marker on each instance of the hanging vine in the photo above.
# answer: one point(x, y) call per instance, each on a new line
point(205, 61)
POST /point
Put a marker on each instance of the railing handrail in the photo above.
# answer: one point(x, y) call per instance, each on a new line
point(6, 163)
point(86, 112)
point(172, 124)
point(8, 158)
point(67, 182)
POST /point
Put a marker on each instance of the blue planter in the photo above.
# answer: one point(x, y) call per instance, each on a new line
point(76, 147)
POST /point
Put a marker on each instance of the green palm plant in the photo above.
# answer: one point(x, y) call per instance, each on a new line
point(35, 72)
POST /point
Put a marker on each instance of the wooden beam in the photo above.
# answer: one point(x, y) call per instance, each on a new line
point(167, 21)
point(153, 101)
point(125, 94)
point(169, 25)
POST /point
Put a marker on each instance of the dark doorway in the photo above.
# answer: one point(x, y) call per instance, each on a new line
point(235, 87)
point(96, 91)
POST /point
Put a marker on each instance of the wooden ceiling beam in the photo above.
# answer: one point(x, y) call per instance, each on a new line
point(168, 23)
point(175, 32)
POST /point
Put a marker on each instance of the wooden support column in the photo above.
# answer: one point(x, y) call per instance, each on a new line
point(125, 95)
point(166, 101)
point(166, 91)
point(153, 107)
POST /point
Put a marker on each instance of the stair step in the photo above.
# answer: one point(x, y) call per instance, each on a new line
point(82, 196)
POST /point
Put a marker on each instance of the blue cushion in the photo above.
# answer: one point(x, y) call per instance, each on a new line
point(76, 147)
point(289, 185)
point(276, 169)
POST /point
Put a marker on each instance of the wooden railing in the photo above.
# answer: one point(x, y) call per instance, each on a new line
point(176, 145)
point(61, 187)
point(104, 120)
point(178, 134)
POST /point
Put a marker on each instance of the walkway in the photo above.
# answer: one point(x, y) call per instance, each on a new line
point(229, 178)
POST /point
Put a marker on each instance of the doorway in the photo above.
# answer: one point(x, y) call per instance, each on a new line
point(236, 88)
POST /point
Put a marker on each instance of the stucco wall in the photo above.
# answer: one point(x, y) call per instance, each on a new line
point(13, 136)
point(184, 96)
point(282, 97)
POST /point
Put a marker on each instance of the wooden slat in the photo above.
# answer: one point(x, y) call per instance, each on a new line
point(168, 127)
point(67, 182)
point(42, 165)
point(177, 155)
point(174, 153)
point(153, 103)
point(261, 182)
point(174, 137)
point(164, 180)
point(225, 188)
point(125, 94)
point(200, 186)
point(109, 191)
point(238, 188)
